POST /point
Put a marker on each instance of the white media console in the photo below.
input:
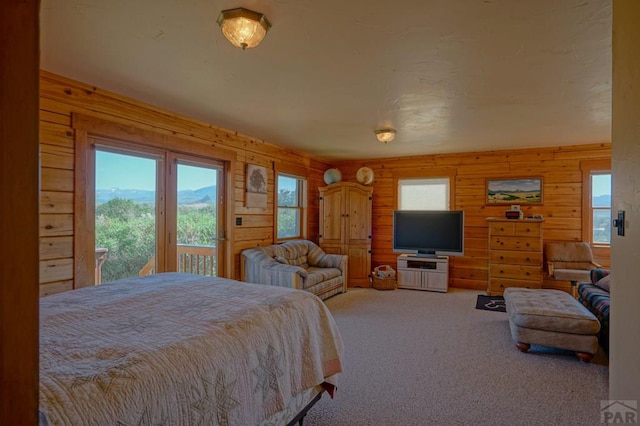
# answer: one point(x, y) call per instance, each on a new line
point(423, 273)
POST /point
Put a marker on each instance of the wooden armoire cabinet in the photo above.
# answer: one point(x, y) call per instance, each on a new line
point(345, 227)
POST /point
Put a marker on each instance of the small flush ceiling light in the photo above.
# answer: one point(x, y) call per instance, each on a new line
point(243, 27)
point(385, 135)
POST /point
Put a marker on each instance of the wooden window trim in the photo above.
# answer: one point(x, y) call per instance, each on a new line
point(433, 173)
point(588, 167)
point(86, 127)
point(172, 202)
point(303, 200)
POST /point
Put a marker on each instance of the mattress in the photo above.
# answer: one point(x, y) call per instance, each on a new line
point(178, 348)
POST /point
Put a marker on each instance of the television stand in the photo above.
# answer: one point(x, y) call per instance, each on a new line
point(423, 273)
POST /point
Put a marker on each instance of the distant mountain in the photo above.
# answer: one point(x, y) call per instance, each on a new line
point(137, 195)
point(602, 201)
point(206, 195)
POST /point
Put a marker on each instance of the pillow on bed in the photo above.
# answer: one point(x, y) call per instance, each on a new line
point(605, 283)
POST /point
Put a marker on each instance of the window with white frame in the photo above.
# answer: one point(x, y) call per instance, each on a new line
point(290, 217)
point(424, 193)
point(600, 208)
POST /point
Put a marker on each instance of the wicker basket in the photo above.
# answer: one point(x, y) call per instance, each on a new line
point(383, 283)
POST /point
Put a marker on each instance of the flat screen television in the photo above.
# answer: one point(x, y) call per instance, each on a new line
point(429, 233)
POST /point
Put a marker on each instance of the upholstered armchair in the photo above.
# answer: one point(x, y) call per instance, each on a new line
point(569, 261)
point(298, 264)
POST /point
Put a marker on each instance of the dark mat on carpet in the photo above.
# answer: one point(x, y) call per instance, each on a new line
point(491, 303)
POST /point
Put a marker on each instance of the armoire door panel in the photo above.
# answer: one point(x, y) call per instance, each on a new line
point(345, 222)
point(332, 212)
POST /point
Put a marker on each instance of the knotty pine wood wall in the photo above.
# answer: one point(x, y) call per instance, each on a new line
point(559, 167)
point(60, 97)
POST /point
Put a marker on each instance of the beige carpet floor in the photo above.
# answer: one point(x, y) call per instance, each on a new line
point(424, 358)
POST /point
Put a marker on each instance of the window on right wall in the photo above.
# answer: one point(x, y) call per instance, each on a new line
point(596, 209)
point(601, 208)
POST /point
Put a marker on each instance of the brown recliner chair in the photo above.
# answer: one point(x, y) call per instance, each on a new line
point(569, 261)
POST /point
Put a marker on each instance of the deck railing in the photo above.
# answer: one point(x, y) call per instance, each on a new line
point(192, 258)
point(199, 260)
point(101, 257)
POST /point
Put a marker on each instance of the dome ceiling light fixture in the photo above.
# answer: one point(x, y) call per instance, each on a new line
point(385, 135)
point(243, 27)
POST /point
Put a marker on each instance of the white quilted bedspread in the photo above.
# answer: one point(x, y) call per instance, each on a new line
point(181, 349)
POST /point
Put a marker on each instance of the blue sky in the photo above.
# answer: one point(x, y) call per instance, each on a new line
point(601, 185)
point(129, 172)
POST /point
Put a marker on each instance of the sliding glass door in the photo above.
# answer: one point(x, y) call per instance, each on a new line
point(196, 205)
point(127, 209)
point(156, 211)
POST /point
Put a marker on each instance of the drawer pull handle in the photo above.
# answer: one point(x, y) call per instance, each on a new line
point(502, 229)
point(528, 273)
point(501, 271)
point(528, 259)
point(501, 285)
point(501, 257)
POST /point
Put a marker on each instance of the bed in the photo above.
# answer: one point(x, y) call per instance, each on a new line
point(184, 349)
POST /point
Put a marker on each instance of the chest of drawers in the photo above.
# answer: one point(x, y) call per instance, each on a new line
point(515, 254)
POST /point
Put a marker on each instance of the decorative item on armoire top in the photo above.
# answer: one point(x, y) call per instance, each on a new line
point(332, 176)
point(365, 176)
point(256, 183)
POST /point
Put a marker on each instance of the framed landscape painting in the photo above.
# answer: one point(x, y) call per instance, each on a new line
point(514, 191)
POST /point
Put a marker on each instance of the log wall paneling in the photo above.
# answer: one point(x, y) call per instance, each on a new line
point(56, 225)
point(56, 248)
point(56, 270)
point(559, 167)
point(55, 287)
point(56, 202)
point(57, 157)
point(562, 198)
point(56, 179)
point(61, 98)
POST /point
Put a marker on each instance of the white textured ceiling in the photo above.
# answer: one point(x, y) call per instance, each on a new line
point(449, 75)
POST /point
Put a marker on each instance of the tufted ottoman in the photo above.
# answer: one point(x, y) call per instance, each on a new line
point(551, 318)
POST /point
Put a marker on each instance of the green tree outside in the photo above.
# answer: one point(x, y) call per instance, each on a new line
point(288, 214)
point(127, 229)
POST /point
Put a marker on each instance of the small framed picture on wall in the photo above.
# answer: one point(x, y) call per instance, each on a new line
point(256, 184)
